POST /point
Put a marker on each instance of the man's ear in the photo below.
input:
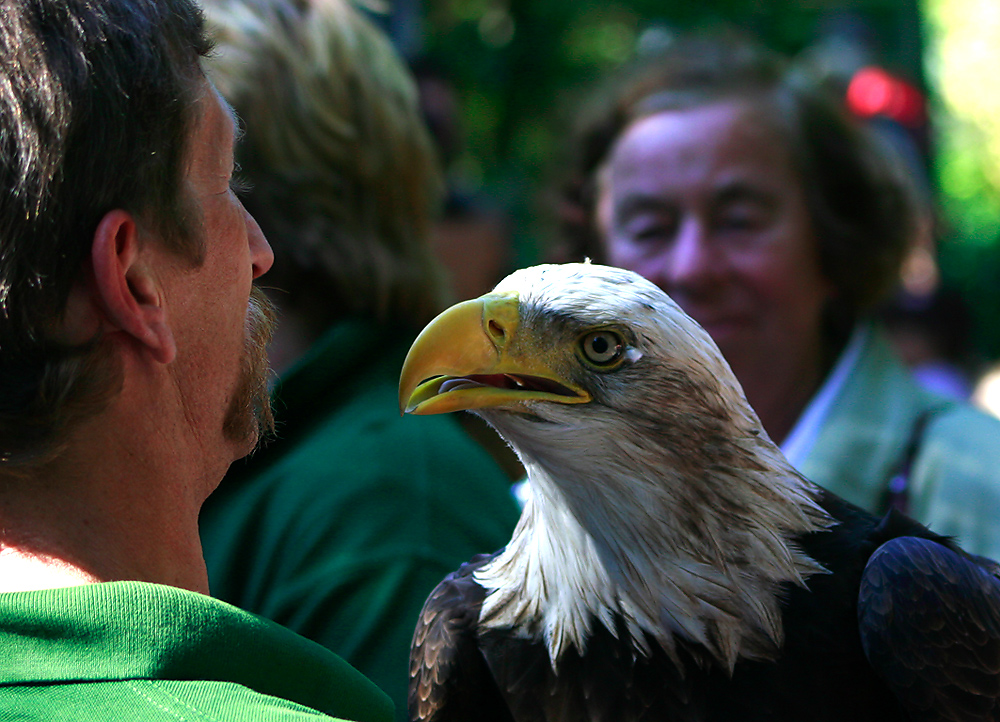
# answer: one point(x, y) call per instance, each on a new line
point(127, 290)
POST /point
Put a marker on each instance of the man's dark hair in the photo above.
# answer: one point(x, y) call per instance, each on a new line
point(860, 203)
point(96, 102)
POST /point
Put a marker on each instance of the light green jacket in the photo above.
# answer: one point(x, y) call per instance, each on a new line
point(954, 485)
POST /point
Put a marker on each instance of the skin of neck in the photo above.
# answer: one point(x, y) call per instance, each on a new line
point(120, 503)
point(780, 393)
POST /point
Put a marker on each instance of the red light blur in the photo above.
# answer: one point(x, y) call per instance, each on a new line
point(873, 91)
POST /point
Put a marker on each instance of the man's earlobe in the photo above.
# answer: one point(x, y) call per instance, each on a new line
point(127, 290)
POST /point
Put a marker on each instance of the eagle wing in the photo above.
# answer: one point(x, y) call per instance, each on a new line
point(449, 677)
point(929, 619)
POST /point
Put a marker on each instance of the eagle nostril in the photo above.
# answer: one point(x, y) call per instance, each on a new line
point(496, 331)
point(500, 318)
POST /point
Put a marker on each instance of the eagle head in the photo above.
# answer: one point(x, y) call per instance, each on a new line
point(658, 501)
point(556, 335)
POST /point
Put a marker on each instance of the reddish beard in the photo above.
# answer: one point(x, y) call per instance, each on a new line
point(249, 417)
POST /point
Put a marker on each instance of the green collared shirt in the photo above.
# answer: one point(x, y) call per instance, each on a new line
point(131, 651)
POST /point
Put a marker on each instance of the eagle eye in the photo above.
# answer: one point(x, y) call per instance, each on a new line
point(602, 348)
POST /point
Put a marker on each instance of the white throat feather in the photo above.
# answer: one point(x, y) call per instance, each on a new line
point(621, 545)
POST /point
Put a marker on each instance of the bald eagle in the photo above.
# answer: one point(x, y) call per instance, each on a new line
point(670, 564)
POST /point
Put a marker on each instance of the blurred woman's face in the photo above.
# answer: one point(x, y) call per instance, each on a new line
point(705, 202)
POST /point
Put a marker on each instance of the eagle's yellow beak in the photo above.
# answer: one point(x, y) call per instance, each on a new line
point(470, 357)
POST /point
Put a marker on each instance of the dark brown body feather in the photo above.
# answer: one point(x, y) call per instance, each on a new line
point(934, 648)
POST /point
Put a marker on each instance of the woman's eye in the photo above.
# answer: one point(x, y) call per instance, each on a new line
point(744, 216)
point(651, 231)
point(602, 347)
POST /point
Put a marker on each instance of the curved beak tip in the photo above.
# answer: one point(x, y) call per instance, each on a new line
point(406, 402)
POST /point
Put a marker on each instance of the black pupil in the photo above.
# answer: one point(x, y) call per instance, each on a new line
point(600, 345)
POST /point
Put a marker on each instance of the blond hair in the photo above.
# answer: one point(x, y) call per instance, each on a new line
point(344, 174)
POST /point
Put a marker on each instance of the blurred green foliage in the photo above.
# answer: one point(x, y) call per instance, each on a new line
point(520, 66)
point(962, 57)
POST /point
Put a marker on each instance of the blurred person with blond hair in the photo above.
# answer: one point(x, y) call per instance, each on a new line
point(342, 525)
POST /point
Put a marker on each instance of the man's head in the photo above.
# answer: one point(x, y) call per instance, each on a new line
point(99, 101)
point(344, 178)
point(859, 207)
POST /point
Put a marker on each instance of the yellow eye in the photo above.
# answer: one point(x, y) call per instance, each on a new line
point(602, 347)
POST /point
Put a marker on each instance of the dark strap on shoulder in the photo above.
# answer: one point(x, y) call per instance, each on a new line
point(897, 492)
